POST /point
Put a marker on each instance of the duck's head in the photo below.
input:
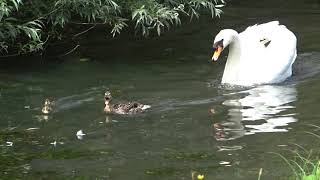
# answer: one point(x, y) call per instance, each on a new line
point(107, 96)
point(221, 41)
point(47, 102)
point(47, 108)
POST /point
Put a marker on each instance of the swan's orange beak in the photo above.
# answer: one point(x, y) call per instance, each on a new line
point(217, 53)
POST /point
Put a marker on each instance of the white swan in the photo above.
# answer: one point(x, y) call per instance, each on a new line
point(261, 54)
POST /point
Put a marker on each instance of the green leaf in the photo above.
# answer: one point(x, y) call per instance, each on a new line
point(84, 59)
point(219, 6)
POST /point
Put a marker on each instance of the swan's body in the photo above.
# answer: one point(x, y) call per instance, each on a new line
point(261, 54)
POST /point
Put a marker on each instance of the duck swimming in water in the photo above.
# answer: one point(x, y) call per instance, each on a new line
point(124, 108)
point(48, 107)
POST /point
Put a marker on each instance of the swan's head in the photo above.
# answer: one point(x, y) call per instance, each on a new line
point(222, 40)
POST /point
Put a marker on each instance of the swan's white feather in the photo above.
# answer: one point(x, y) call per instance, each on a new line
point(259, 63)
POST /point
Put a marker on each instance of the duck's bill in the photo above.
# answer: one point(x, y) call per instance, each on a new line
point(216, 54)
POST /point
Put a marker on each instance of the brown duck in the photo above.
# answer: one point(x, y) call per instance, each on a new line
point(123, 108)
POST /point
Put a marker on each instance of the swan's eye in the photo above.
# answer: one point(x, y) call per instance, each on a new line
point(218, 44)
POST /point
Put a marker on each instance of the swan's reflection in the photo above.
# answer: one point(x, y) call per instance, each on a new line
point(264, 106)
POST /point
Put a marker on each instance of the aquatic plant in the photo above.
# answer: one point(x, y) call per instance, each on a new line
point(304, 168)
point(305, 164)
point(260, 173)
point(27, 26)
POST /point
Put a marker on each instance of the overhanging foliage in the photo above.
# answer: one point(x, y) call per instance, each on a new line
point(25, 26)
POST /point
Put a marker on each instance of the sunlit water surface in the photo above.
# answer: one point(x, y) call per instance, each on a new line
point(179, 134)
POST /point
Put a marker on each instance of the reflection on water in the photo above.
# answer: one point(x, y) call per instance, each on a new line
point(262, 109)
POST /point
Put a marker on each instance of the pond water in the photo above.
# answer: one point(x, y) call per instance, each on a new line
point(178, 135)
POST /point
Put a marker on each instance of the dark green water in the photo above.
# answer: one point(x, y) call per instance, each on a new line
point(177, 135)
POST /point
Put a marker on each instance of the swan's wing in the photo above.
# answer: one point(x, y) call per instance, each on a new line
point(257, 38)
point(270, 49)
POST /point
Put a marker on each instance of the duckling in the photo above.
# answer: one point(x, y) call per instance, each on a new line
point(124, 108)
point(48, 107)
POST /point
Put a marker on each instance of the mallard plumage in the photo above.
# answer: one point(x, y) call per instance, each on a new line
point(48, 107)
point(123, 108)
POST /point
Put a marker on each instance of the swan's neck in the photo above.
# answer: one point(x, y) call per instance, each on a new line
point(232, 68)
